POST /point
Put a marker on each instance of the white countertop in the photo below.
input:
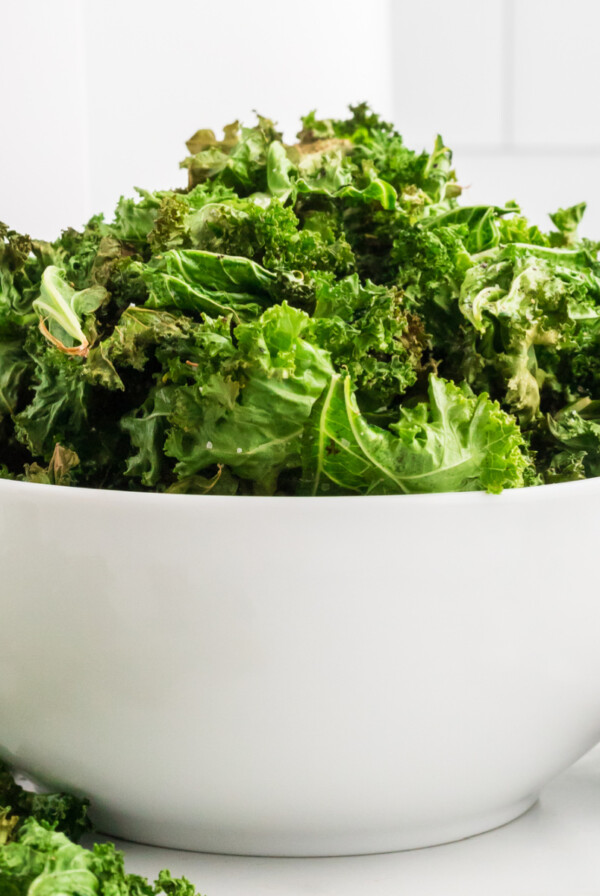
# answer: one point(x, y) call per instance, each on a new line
point(552, 850)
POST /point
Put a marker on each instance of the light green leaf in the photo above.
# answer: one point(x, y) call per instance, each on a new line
point(482, 221)
point(252, 420)
point(567, 220)
point(195, 280)
point(458, 442)
point(66, 307)
point(279, 167)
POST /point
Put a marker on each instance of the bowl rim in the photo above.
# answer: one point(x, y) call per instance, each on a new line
point(532, 493)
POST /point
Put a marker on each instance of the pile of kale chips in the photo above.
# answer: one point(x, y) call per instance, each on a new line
point(306, 319)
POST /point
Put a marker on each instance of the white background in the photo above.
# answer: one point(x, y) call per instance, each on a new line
point(99, 97)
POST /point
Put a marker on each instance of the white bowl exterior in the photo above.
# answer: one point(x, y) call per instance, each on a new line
point(299, 676)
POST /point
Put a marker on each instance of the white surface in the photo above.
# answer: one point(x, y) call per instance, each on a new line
point(557, 71)
point(553, 850)
point(314, 698)
point(44, 164)
point(448, 69)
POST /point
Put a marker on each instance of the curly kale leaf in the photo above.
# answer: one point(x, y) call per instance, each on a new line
point(455, 442)
point(238, 161)
point(39, 854)
point(199, 281)
point(567, 221)
point(369, 333)
point(323, 168)
point(146, 428)
point(185, 351)
point(136, 334)
point(63, 812)
point(44, 861)
point(15, 370)
point(374, 145)
point(481, 223)
point(21, 266)
point(577, 428)
point(273, 236)
point(522, 298)
point(429, 266)
point(251, 415)
point(58, 410)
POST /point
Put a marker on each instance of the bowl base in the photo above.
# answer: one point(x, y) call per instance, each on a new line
point(310, 845)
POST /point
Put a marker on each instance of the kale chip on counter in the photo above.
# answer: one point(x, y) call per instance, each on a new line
point(40, 853)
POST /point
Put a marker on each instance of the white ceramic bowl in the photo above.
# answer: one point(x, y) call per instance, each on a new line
point(299, 676)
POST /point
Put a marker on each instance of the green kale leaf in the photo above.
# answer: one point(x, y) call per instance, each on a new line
point(44, 862)
point(63, 812)
point(455, 442)
point(251, 415)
